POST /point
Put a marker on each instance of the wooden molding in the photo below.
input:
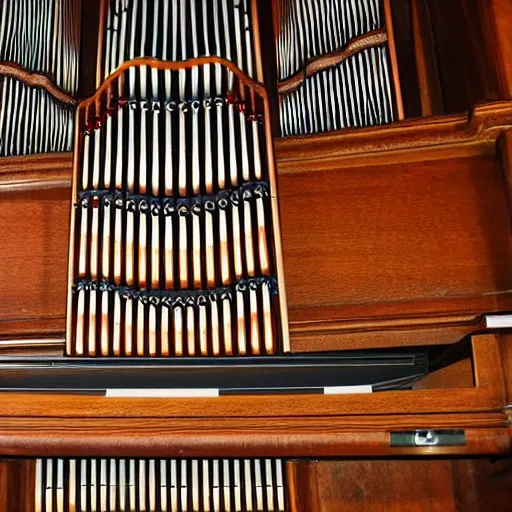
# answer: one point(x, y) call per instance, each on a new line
point(264, 437)
point(288, 426)
point(418, 139)
point(329, 60)
point(35, 172)
point(37, 80)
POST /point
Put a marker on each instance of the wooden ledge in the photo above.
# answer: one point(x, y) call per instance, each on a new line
point(35, 172)
point(472, 133)
point(355, 436)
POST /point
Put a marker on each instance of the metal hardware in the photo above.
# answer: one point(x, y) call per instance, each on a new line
point(427, 438)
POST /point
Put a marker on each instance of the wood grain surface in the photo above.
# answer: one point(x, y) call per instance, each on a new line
point(391, 237)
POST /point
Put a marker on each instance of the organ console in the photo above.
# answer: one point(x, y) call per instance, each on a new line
point(244, 266)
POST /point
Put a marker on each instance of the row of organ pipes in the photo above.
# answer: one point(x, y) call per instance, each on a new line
point(160, 485)
point(41, 38)
point(174, 249)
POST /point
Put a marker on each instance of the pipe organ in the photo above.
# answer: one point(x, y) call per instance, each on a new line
point(277, 259)
point(159, 485)
point(175, 252)
point(337, 66)
point(37, 41)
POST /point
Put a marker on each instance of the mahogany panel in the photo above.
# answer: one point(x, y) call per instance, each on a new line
point(414, 485)
point(33, 260)
point(391, 485)
point(391, 237)
point(482, 484)
point(302, 486)
point(357, 239)
point(17, 485)
point(396, 233)
point(457, 375)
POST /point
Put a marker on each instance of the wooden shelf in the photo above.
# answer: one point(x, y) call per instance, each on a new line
point(284, 426)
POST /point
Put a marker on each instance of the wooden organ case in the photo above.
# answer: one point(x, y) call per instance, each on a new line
point(286, 281)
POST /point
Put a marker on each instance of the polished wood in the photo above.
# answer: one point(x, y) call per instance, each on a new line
point(445, 485)
point(457, 375)
point(467, 66)
point(399, 105)
point(448, 269)
point(500, 42)
point(426, 60)
point(303, 487)
point(392, 236)
point(32, 293)
point(17, 485)
point(505, 346)
point(409, 241)
point(36, 80)
point(323, 62)
point(407, 63)
point(293, 426)
point(46, 171)
point(505, 153)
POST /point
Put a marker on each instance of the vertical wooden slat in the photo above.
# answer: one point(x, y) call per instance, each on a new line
point(426, 60)
point(394, 61)
point(302, 486)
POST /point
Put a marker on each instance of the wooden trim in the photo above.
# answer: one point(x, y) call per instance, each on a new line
point(394, 61)
point(72, 221)
point(302, 483)
point(35, 172)
point(324, 327)
point(505, 152)
point(468, 132)
point(426, 60)
point(276, 228)
point(487, 365)
point(268, 437)
point(101, 35)
point(107, 84)
point(37, 80)
point(31, 328)
point(323, 62)
point(505, 345)
point(31, 343)
point(500, 43)
point(392, 402)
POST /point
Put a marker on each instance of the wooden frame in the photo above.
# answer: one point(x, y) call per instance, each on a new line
point(288, 426)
